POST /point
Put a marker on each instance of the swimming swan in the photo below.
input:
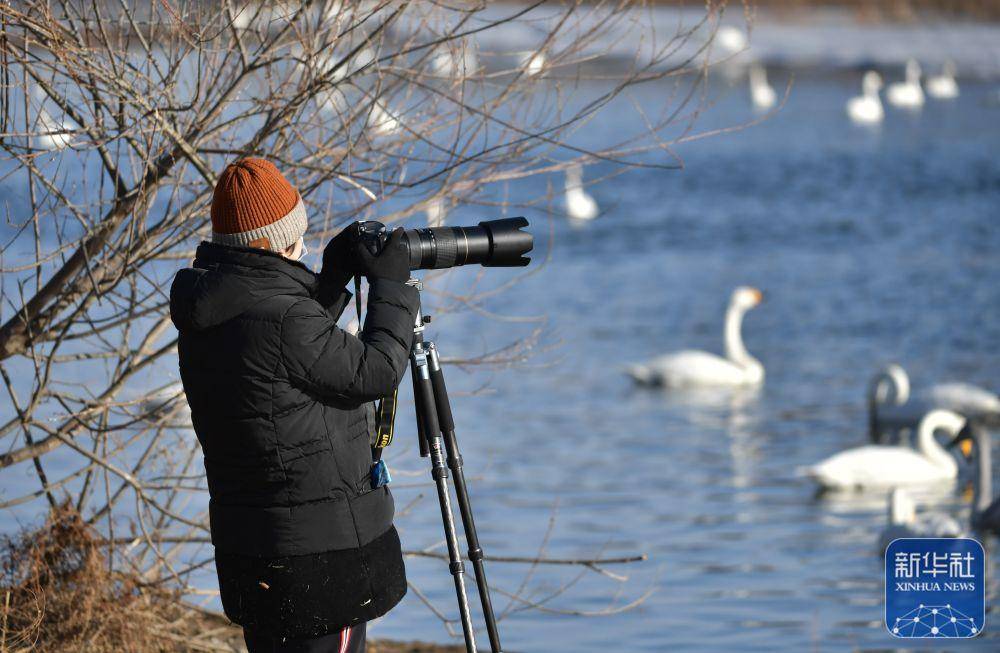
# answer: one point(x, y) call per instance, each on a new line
point(881, 466)
point(889, 393)
point(761, 92)
point(731, 39)
point(579, 203)
point(50, 133)
point(867, 107)
point(907, 94)
point(533, 63)
point(943, 86)
point(690, 368)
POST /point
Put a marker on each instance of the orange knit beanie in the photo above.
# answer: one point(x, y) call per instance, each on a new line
point(255, 206)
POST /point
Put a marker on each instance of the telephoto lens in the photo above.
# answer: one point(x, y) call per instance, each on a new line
point(491, 243)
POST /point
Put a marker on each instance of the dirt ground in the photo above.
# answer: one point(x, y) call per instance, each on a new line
point(233, 636)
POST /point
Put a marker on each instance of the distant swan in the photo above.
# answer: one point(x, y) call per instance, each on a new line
point(50, 133)
point(731, 39)
point(908, 93)
point(867, 107)
point(892, 405)
point(381, 120)
point(943, 86)
point(905, 522)
point(579, 204)
point(761, 93)
point(881, 466)
point(533, 63)
point(690, 368)
point(53, 134)
point(456, 62)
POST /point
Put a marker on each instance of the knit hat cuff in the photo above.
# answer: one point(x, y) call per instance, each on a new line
point(279, 234)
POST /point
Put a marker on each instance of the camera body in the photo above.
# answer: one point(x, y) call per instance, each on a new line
point(491, 243)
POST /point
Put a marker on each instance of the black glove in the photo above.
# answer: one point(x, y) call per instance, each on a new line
point(392, 263)
point(339, 261)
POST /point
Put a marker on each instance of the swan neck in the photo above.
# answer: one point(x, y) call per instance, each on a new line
point(891, 384)
point(735, 350)
point(929, 446)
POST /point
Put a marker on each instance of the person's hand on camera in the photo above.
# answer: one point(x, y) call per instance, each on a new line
point(339, 260)
point(392, 263)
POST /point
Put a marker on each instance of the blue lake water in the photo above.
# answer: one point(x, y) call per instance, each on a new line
point(872, 246)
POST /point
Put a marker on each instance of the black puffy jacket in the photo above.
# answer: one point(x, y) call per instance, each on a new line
point(280, 401)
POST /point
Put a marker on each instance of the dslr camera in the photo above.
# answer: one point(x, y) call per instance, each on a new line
point(491, 243)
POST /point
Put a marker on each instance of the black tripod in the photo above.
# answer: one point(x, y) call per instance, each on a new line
point(434, 425)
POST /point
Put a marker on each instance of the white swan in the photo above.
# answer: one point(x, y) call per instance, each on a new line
point(965, 398)
point(53, 134)
point(731, 39)
point(892, 406)
point(761, 92)
point(533, 63)
point(904, 521)
point(867, 107)
point(880, 466)
point(455, 61)
point(943, 86)
point(382, 121)
point(908, 93)
point(579, 203)
point(50, 133)
point(692, 368)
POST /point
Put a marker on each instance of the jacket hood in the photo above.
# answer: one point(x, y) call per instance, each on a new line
point(226, 281)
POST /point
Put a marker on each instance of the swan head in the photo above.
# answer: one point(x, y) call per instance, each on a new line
point(871, 82)
point(913, 71)
point(948, 68)
point(746, 297)
point(758, 75)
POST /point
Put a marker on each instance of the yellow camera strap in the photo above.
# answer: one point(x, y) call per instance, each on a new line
point(385, 418)
point(385, 411)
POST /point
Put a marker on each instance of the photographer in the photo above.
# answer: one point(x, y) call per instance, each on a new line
point(280, 399)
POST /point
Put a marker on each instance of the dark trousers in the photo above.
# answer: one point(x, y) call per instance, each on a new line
point(348, 640)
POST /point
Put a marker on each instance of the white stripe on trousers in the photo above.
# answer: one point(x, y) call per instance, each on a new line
point(345, 639)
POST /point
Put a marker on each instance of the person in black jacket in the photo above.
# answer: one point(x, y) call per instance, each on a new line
point(280, 400)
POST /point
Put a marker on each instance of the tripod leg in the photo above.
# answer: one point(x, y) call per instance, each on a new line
point(423, 394)
point(476, 555)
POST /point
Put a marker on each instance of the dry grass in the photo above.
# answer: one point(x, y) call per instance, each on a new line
point(58, 593)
